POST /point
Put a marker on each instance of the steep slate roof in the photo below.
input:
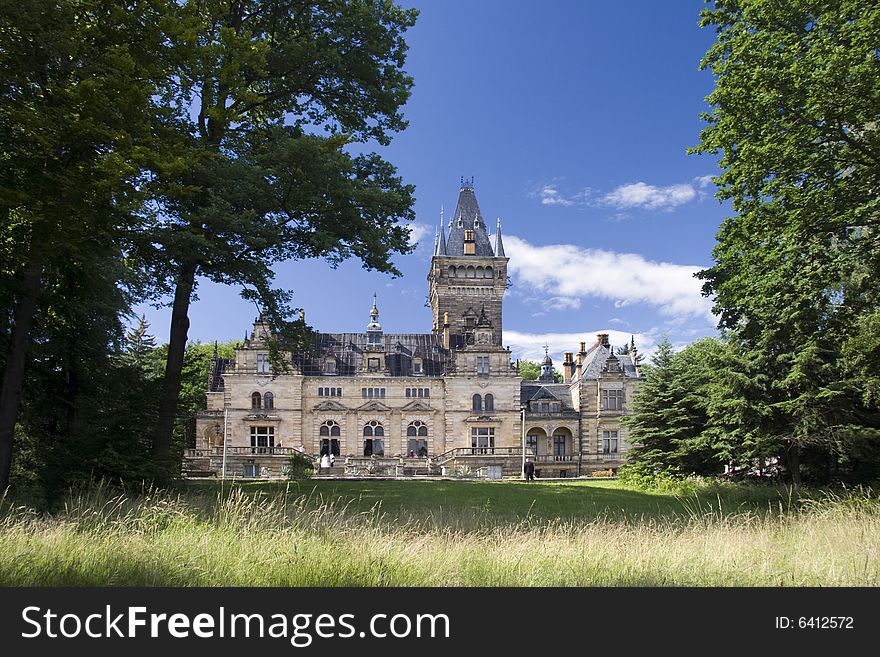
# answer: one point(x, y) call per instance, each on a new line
point(595, 361)
point(534, 391)
point(467, 214)
point(348, 348)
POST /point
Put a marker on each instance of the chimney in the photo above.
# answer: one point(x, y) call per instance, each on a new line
point(446, 331)
point(567, 368)
point(603, 339)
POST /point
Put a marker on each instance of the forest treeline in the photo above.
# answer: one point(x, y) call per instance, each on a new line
point(150, 144)
point(793, 383)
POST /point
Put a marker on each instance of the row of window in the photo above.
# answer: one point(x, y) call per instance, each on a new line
point(374, 434)
point(544, 407)
point(265, 402)
point(482, 439)
point(470, 272)
point(483, 403)
point(612, 400)
point(418, 392)
point(369, 393)
point(329, 392)
point(559, 442)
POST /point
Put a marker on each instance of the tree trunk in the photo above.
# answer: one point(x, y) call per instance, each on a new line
point(794, 465)
point(164, 436)
point(13, 375)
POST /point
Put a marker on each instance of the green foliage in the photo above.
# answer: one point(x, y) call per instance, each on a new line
point(262, 157)
point(530, 370)
point(796, 279)
point(299, 466)
point(670, 416)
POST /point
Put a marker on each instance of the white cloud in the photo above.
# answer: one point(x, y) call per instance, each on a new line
point(703, 181)
point(551, 196)
point(568, 273)
point(642, 195)
point(418, 232)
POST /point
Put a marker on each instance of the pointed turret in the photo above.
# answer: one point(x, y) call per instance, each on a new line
point(441, 242)
point(547, 367)
point(499, 246)
point(467, 230)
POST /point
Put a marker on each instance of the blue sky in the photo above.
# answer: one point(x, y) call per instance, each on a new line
point(573, 118)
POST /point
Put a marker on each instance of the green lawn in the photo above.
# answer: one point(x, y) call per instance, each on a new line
point(443, 533)
point(512, 501)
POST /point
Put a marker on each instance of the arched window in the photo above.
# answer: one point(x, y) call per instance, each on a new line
point(374, 432)
point(471, 272)
point(417, 439)
point(268, 401)
point(477, 403)
point(489, 403)
point(488, 273)
point(479, 272)
point(460, 271)
point(329, 435)
point(255, 401)
point(451, 271)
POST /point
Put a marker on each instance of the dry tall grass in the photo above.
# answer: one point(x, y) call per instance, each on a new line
point(101, 538)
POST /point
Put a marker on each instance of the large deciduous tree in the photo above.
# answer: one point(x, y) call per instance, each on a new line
point(275, 101)
point(797, 272)
point(76, 97)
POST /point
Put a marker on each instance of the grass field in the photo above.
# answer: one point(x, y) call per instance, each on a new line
point(442, 533)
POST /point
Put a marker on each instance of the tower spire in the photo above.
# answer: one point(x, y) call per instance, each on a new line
point(499, 245)
point(441, 242)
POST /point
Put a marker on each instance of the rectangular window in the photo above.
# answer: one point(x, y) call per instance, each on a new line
point(339, 392)
point(483, 440)
point(427, 392)
point(417, 367)
point(421, 392)
point(609, 442)
point(408, 391)
point(482, 364)
point(262, 363)
point(364, 393)
point(262, 437)
point(381, 392)
point(612, 400)
point(370, 392)
point(545, 407)
point(320, 392)
point(532, 445)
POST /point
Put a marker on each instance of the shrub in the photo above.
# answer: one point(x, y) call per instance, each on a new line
point(299, 466)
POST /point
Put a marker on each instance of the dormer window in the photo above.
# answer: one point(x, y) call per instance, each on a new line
point(373, 364)
point(263, 364)
point(613, 365)
point(417, 365)
point(330, 366)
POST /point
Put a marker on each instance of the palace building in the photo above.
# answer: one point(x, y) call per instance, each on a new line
point(449, 401)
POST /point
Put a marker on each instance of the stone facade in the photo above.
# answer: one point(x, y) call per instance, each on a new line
point(445, 401)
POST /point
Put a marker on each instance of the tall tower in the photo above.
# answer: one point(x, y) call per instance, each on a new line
point(468, 277)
